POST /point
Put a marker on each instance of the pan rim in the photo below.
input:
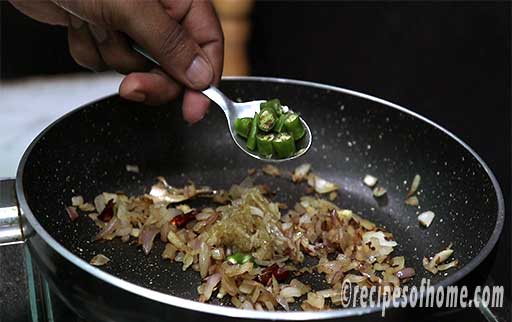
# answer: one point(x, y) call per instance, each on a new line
point(235, 312)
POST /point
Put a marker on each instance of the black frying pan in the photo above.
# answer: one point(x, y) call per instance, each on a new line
point(85, 152)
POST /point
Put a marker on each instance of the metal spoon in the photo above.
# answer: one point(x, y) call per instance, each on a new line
point(234, 110)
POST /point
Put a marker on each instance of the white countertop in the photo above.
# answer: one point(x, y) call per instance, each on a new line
point(28, 105)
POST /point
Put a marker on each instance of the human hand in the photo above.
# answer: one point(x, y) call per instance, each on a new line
point(184, 36)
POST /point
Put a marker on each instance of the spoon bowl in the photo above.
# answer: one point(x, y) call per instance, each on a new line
point(234, 110)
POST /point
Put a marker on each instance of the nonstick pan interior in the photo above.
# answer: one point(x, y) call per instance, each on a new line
point(86, 153)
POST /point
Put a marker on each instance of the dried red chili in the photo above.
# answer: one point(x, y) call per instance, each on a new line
point(181, 221)
point(280, 273)
point(108, 211)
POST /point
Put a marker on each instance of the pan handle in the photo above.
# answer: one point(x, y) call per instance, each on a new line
point(11, 231)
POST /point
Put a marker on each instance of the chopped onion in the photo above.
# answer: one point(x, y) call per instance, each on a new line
point(146, 238)
point(425, 218)
point(203, 215)
point(176, 241)
point(444, 267)
point(276, 240)
point(87, 207)
point(370, 180)
point(398, 262)
point(315, 300)
point(169, 251)
point(300, 173)
point(355, 278)
point(328, 293)
point(406, 272)
point(229, 285)
point(321, 185)
point(414, 185)
point(132, 168)
point(77, 201)
point(109, 228)
point(303, 288)
point(220, 196)
point(412, 201)
point(99, 203)
point(246, 305)
point(236, 270)
point(271, 170)
point(211, 283)
point(380, 267)
point(378, 235)
point(72, 214)
point(379, 191)
point(135, 232)
point(430, 265)
point(345, 214)
point(99, 260)
point(218, 254)
point(433, 265)
point(283, 302)
point(247, 286)
point(204, 259)
point(290, 291)
point(442, 256)
point(256, 211)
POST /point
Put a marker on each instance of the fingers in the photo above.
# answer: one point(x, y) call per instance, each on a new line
point(200, 20)
point(195, 106)
point(156, 88)
point(82, 46)
point(43, 11)
point(153, 88)
point(184, 36)
point(116, 52)
point(147, 23)
point(171, 45)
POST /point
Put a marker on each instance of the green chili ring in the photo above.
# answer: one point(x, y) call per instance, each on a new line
point(267, 120)
point(243, 126)
point(264, 144)
point(294, 126)
point(284, 145)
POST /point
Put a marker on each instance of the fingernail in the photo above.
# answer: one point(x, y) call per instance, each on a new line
point(194, 119)
point(76, 22)
point(98, 33)
point(135, 96)
point(199, 73)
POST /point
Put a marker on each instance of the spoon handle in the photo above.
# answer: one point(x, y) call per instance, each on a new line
point(141, 51)
point(219, 98)
point(211, 92)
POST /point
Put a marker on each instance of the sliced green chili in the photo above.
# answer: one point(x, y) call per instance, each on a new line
point(243, 126)
point(294, 126)
point(272, 131)
point(273, 104)
point(280, 124)
point(239, 258)
point(284, 145)
point(251, 139)
point(267, 120)
point(264, 144)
